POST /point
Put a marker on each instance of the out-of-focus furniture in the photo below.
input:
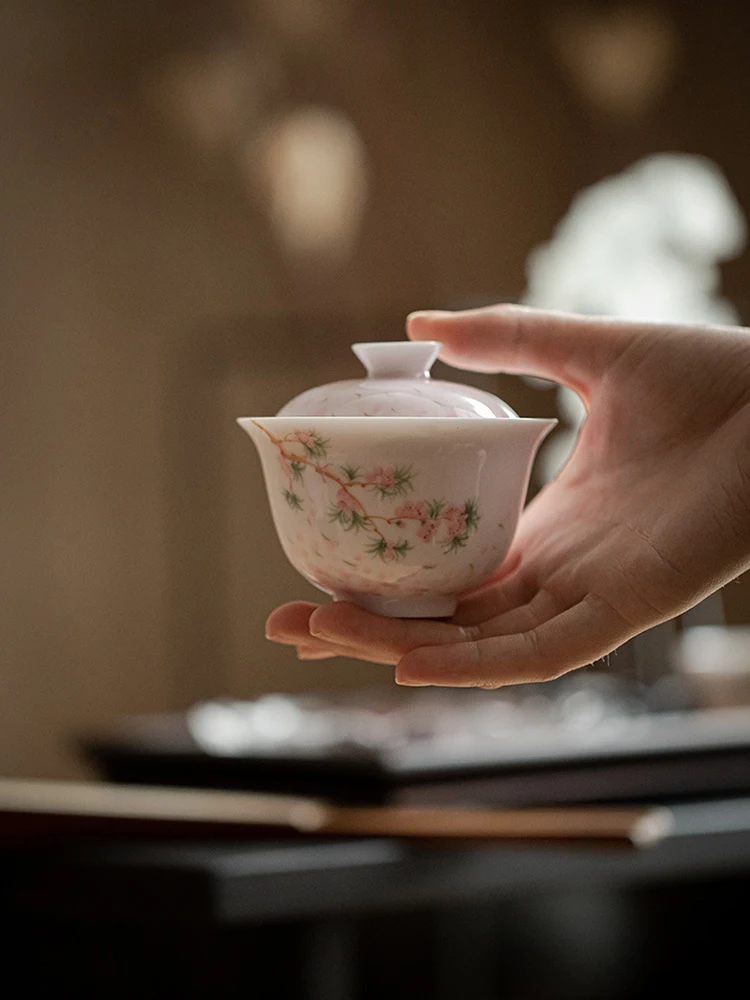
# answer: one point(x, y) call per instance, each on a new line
point(375, 918)
point(580, 745)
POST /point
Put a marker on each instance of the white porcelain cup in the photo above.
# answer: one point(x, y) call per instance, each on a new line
point(401, 515)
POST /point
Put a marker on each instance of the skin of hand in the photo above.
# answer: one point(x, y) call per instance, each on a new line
point(650, 514)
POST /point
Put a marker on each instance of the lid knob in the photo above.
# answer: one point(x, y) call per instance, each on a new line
point(398, 358)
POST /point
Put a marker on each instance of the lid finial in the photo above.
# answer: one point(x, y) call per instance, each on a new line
point(398, 358)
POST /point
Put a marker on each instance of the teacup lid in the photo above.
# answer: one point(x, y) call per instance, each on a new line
point(398, 384)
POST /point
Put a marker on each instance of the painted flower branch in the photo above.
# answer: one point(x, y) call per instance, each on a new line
point(436, 520)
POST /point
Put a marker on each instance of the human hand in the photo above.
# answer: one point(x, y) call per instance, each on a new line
point(650, 514)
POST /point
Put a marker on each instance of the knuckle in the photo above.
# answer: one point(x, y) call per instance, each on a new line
point(470, 633)
point(532, 645)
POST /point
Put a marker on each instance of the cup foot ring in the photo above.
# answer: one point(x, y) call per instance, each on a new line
point(417, 606)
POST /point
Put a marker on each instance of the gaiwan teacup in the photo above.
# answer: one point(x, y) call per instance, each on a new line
point(397, 491)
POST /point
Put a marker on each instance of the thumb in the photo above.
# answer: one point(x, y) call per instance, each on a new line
point(570, 349)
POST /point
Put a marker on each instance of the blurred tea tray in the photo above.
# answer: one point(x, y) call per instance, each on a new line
point(643, 757)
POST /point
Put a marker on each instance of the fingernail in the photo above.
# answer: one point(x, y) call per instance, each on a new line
point(308, 653)
point(315, 629)
point(409, 683)
point(285, 640)
point(428, 314)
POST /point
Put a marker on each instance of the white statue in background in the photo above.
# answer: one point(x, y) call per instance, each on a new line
point(645, 244)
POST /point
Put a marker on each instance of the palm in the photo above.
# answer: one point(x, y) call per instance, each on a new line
point(616, 523)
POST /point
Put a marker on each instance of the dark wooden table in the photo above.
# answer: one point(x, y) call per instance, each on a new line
point(361, 918)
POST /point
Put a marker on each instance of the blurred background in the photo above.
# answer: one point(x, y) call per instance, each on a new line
point(203, 204)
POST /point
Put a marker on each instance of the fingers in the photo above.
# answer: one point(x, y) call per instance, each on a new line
point(496, 599)
point(342, 629)
point(383, 640)
point(290, 622)
point(574, 638)
point(565, 348)
point(290, 626)
point(526, 617)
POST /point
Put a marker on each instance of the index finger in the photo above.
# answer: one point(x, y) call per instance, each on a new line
point(511, 338)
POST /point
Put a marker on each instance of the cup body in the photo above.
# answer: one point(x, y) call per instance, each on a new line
point(400, 515)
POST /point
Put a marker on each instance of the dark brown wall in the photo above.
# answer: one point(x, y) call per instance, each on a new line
point(145, 304)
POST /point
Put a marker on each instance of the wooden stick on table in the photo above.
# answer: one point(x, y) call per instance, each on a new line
point(48, 808)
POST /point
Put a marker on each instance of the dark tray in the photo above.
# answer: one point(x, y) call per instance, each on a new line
point(640, 758)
